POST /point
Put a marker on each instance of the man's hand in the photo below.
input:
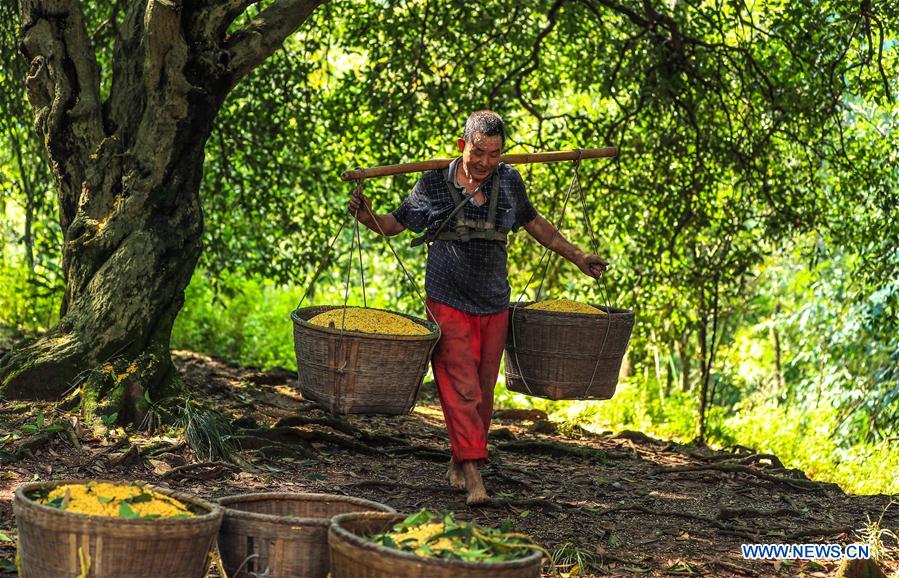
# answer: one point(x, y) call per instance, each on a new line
point(592, 265)
point(360, 207)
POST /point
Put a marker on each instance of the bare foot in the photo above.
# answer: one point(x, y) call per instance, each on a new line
point(477, 493)
point(455, 476)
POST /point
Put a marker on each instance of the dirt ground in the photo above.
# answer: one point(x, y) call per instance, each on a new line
point(622, 503)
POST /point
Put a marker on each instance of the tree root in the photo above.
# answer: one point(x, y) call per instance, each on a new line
point(635, 436)
point(201, 471)
point(443, 488)
point(523, 503)
point(270, 448)
point(429, 453)
point(341, 426)
point(289, 435)
point(741, 531)
point(813, 532)
point(731, 513)
point(798, 484)
point(555, 449)
point(756, 458)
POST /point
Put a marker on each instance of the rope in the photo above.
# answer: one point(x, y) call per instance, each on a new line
point(406, 271)
point(601, 281)
point(361, 268)
point(576, 166)
point(355, 239)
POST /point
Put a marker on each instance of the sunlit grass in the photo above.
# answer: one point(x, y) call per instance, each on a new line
point(801, 438)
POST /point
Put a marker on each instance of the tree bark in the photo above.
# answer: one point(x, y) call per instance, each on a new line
point(128, 175)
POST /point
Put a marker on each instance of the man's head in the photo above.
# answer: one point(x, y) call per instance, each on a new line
point(482, 143)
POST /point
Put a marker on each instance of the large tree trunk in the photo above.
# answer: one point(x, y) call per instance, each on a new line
point(128, 174)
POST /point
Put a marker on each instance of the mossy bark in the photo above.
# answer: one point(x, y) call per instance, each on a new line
point(127, 172)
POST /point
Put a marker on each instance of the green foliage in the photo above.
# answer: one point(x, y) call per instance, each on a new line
point(207, 432)
point(26, 308)
point(755, 193)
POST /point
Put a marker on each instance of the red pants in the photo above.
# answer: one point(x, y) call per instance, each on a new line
point(466, 364)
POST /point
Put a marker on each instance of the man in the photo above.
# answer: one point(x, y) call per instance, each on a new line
point(467, 211)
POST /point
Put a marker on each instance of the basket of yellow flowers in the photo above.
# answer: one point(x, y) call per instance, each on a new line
point(361, 359)
point(563, 349)
point(100, 529)
point(427, 545)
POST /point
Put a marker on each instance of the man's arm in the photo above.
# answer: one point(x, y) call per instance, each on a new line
point(550, 237)
point(385, 224)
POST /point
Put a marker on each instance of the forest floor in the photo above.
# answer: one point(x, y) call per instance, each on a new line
point(623, 503)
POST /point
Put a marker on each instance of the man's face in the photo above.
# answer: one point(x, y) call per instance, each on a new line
point(481, 155)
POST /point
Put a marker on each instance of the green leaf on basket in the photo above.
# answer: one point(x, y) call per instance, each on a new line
point(104, 500)
point(5, 538)
point(125, 511)
point(143, 497)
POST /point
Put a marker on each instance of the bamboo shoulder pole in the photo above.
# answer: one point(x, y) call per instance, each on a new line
point(519, 159)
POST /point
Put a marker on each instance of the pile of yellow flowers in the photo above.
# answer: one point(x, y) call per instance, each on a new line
point(566, 306)
point(114, 500)
point(431, 535)
point(369, 321)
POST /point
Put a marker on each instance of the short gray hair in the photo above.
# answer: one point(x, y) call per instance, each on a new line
point(487, 123)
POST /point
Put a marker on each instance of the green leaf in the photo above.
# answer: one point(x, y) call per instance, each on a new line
point(140, 498)
point(125, 511)
point(5, 538)
point(104, 500)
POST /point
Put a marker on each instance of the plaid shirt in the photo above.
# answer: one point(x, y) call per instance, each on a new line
point(469, 276)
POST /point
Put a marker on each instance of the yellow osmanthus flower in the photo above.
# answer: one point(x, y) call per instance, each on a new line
point(566, 306)
point(421, 535)
point(105, 499)
point(369, 321)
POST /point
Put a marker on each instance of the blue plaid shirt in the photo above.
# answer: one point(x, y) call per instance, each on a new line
point(470, 276)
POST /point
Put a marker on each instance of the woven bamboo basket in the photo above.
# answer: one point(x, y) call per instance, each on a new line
point(282, 535)
point(58, 544)
point(559, 355)
point(353, 556)
point(354, 372)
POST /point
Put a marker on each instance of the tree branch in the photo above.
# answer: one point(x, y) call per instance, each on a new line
point(63, 87)
point(251, 45)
